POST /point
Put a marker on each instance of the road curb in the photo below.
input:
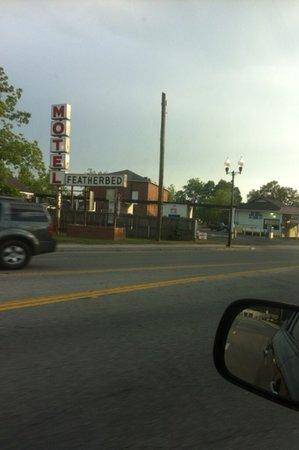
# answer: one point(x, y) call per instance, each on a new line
point(152, 247)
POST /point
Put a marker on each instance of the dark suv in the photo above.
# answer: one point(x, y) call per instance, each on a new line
point(25, 229)
point(219, 226)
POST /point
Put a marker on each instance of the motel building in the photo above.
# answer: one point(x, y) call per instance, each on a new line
point(261, 216)
point(137, 188)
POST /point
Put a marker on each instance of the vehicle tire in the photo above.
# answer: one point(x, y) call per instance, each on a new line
point(14, 254)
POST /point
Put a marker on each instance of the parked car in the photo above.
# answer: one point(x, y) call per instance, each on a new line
point(25, 230)
point(219, 226)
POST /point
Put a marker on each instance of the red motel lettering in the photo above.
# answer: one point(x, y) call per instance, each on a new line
point(57, 161)
point(58, 128)
point(57, 143)
point(58, 111)
point(55, 178)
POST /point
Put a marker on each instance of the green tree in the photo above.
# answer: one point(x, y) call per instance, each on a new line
point(197, 191)
point(39, 183)
point(172, 193)
point(17, 155)
point(272, 190)
point(180, 197)
point(221, 196)
point(225, 187)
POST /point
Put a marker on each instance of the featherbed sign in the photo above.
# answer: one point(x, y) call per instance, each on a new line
point(76, 179)
point(60, 142)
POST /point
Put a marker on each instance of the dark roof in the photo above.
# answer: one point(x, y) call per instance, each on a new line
point(266, 204)
point(262, 204)
point(291, 210)
point(132, 176)
point(13, 182)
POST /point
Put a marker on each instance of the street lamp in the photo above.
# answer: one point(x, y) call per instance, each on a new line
point(233, 173)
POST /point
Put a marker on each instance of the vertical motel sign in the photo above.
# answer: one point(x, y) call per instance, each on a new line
point(60, 142)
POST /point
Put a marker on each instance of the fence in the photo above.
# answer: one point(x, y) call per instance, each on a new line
point(146, 226)
point(136, 226)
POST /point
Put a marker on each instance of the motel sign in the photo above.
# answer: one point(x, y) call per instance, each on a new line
point(60, 142)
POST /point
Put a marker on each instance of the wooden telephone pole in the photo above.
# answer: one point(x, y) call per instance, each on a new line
point(161, 168)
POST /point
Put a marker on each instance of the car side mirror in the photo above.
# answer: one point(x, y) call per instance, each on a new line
point(257, 348)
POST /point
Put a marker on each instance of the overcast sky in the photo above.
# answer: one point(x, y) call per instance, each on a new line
point(230, 70)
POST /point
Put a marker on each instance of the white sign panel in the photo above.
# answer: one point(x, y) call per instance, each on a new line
point(60, 161)
point(57, 177)
point(61, 112)
point(61, 127)
point(60, 144)
point(176, 209)
point(76, 179)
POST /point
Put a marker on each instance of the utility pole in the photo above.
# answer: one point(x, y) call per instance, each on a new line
point(161, 168)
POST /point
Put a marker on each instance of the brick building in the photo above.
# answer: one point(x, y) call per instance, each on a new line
point(138, 188)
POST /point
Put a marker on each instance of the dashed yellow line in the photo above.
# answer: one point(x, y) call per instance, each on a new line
point(47, 300)
point(56, 272)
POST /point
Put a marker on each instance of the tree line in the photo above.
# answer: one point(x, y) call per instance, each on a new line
point(209, 193)
point(19, 158)
point(197, 191)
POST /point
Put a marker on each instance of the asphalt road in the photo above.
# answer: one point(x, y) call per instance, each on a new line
point(112, 349)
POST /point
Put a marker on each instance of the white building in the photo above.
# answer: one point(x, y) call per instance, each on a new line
point(259, 217)
point(263, 215)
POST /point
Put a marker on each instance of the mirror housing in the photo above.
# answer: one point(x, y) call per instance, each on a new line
point(255, 349)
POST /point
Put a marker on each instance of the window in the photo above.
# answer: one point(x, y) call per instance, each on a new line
point(110, 195)
point(255, 215)
point(268, 223)
point(135, 195)
point(27, 213)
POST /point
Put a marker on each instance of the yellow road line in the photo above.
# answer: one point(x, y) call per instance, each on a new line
point(124, 269)
point(46, 300)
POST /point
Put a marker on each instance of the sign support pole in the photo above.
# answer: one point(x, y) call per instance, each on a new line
point(58, 210)
point(85, 206)
point(115, 207)
point(72, 197)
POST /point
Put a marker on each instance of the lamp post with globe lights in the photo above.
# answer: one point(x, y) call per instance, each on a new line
point(233, 173)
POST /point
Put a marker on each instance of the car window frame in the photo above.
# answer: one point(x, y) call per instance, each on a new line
point(33, 209)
